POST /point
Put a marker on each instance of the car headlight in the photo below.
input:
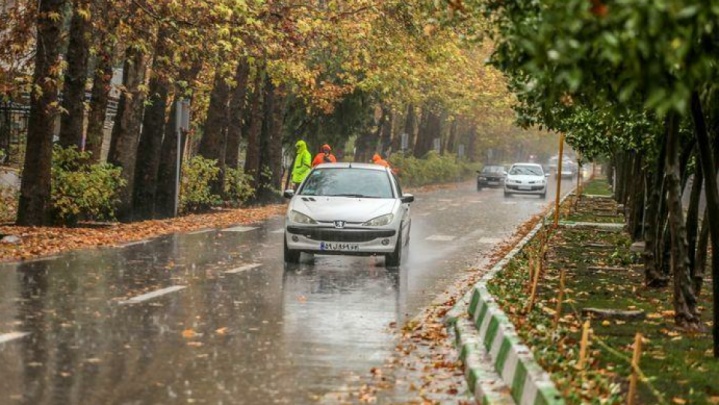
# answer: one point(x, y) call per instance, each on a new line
point(481, 178)
point(380, 221)
point(300, 218)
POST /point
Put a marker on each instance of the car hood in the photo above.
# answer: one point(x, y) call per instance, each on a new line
point(525, 178)
point(325, 209)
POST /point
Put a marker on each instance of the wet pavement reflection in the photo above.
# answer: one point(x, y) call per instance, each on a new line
point(216, 317)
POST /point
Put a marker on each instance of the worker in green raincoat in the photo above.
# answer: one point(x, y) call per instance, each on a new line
point(303, 163)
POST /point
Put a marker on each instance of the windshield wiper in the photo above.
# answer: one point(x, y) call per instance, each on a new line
point(347, 195)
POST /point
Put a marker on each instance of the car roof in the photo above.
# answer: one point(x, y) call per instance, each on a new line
point(527, 164)
point(351, 165)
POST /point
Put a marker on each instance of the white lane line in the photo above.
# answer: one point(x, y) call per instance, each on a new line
point(475, 201)
point(489, 241)
point(509, 202)
point(441, 238)
point(280, 230)
point(201, 231)
point(239, 229)
point(6, 337)
point(153, 294)
point(244, 268)
point(444, 200)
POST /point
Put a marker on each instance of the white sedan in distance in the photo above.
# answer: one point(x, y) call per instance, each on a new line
point(526, 178)
point(348, 209)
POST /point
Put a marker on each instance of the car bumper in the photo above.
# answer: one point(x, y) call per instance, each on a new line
point(528, 189)
point(349, 241)
point(490, 182)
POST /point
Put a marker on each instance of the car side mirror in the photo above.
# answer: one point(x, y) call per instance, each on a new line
point(478, 172)
point(546, 175)
point(289, 193)
point(407, 198)
point(504, 172)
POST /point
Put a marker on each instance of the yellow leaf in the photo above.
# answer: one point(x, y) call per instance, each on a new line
point(188, 333)
point(679, 401)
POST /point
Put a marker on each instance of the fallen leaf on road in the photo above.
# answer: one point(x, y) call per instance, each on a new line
point(188, 333)
point(679, 401)
point(221, 331)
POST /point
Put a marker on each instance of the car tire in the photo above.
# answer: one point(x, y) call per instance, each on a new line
point(394, 259)
point(479, 188)
point(543, 195)
point(291, 256)
point(507, 194)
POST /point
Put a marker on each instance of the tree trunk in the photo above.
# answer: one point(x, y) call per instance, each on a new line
point(700, 261)
point(98, 103)
point(34, 206)
point(693, 225)
point(271, 143)
point(652, 276)
point(153, 128)
point(254, 131)
point(385, 137)
point(237, 108)
point(452, 138)
point(637, 200)
point(126, 132)
point(167, 169)
point(429, 129)
point(213, 142)
point(712, 196)
point(686, 314)
point(73, 94)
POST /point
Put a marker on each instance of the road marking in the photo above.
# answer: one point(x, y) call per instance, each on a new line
point(444, 200)
point(280, 230)
point(489, 241)
point(475, 201)
point(139, 242)
point(6, 337)
point(239, 229)
point(424, 214)
point(244, 268)
point(153, 294)
point(441, 209)
point(441, 238)
point(201, 231)
point(509, 202)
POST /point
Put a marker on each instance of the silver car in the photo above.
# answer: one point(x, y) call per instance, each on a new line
point(526, 178)
point(348, 209)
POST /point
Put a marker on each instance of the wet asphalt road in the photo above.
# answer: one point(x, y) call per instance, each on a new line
point(214, 317)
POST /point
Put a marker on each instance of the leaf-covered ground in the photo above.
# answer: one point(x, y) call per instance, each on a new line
point(601, 272)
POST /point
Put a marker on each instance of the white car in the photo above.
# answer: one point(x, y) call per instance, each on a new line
point(348, 209)
point(526, 178)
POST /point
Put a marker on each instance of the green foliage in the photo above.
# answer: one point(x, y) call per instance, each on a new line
point(81, 191)
point(433, 168)
point(238, 186)
point(195, 192)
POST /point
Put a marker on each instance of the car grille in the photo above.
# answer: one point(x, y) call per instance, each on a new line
point(341, 235)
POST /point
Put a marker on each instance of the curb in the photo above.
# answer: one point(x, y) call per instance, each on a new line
point(490, 347)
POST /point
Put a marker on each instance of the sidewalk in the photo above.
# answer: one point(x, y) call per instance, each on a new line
point(588, 258)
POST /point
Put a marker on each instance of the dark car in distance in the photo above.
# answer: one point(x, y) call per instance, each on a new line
point(491, 175)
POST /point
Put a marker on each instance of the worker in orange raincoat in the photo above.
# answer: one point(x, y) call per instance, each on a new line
point(377, 159)
point(325, 156)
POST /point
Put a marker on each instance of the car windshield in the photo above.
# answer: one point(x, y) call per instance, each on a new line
point(347, 182)
point(526, 171)
point(492, 169)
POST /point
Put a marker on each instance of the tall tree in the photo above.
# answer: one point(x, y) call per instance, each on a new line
point(213, 141)
point(34, 205)
point(126, 132)
point(73, 94)
point(237, 110)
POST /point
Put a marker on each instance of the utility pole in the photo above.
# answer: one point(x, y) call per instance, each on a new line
point(559, 180)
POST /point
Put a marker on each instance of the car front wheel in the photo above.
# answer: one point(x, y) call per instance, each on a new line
point(394, 259)
point(507, 193)
point(291, 256)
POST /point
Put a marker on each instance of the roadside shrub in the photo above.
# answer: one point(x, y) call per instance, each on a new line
point(81, 191)
point(237, 187)
point(195, 192)
point(433, 168)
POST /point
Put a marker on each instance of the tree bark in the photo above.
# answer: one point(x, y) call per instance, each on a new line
point(271, 143)
point(73, 95)
point(700, 261)
point(153, 128)
point(101, 83)
point(167, 169)
point(692, 227)
point(712, 196)
point(34, 206)
point(686, 314)
point(254, 131)
point(126, 131)
point(637, 200)
point(237, 108)
point(652, 276)
point(213, 142)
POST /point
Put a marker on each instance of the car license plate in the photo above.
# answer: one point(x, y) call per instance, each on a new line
point(339, 246)
point(525, 187)
point(493, 181)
